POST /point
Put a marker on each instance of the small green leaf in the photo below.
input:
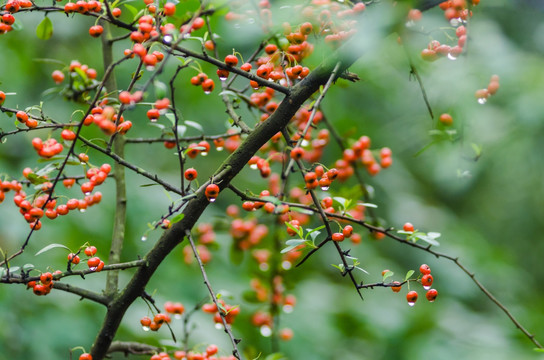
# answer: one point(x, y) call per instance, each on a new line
point(171, 117)
point(36, 179)
point(51, 246)
point(298, 230)
point(275, 356)
point(132, 10)
point(295, 242)
point(409, 274)
point(44, 31)
point(177, 218)
point(340, 200)
point(339, 267)
point(360, 268)
point(27, 267)
point(369, 205)
point(387, 274)
point(428, 239)
point(14, 269)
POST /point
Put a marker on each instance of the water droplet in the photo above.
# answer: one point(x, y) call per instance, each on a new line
point(222, 78)
point(411, 303)
point(82, 210)
point(410, 24)
point(427, 287)
point(204, 153)
point(304, 143)
point(451, 56)
point(177, 316)
point(266, 331)
point(150, 68)
point(219, 148)
point(455, 22)
point(153, 120)
point(431, 300)
point(88, 193)
point(83, 163)
point(163, 111)
point(145, 328)
point(263, 266)
point(207, 92)
point(482, 100)
point(287, 309)
point(324, 188)
point(286, 265)
point(212, 199)
point(219, 326)
point(253, 166)
point(92, 268)
point(167, 39)
point(144, 238)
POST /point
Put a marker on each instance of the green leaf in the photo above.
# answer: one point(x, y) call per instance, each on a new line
point(428, 239)
point(298, 230)
point(539, 350)
point(369, 205)
point(50, 61)
point(177, 218)
point(409, 274)
point(287, 249)
point(36, 179)
point(302, 211)
point(160, 89)
point(17, 26)
point(44, 31)
point(194, 125)
point(28, 267)
point(275, 356)
point(171, 117)
point(387, 274)
point(340, 200)
point(14, 269)
point(132, 10)
point(51, 246)
point(360, 268)
point(295, 242)
point(339, 267)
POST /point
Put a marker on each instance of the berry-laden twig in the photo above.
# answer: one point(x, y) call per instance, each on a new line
point(226, 326)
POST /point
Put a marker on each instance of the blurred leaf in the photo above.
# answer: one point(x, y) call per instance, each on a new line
point(194, 125)
point(250, 297)
point(409, 274)
point(51, 246)
point(160, 89)
point(50, 61)
point(287, 249)
point(387, 274)
point(370, 205)
point(295, 242)
point(275, 356)
point(27, 267)
point(177, 218)
point(44, 31)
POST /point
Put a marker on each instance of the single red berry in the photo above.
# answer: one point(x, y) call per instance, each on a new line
point(145, 321)
point(190, 174)
point(338, 237)
point(209, 45)
point(2, 97)
point(446, 119)
point(347, 231)
point(125, 97)
point(169, 9)
point(427, 281)
point(425, 269)
point(116, 12)
point(96, 30)
point(46, 278)
point(231, 60)
point(39, 289)
point(411, 297)
point(431, 295)
point(22, 116)
point(397, 286)
point(212, 190)
point(85, 356)
point(297, 153)
point(93, 262)
point(408, 227)
point(58, 76)
point(208, 85)
point(68, 135)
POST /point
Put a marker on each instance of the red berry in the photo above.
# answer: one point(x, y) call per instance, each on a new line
point(408, 227)
point(190, 174)
point(212, 190)
point(431, 295)
point(397, 286)
point(22, 116)
point(208, 85)
point(93, 262)
point(169, 9)
point(2, 97)
point(85, 356)
point(73, 258)
point(96, 30)
point(231, 60)
point(46, 278)
point(338, 237)
point(446, 119)
point(68, 135)
point(347, 231)
point(90, 250)
point(411, 297)
point(125, 97)
point(58, 76)
point(425, 269)
point(427, 281)
point(116, 12)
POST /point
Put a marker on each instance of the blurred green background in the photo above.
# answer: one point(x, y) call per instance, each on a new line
point(489, 210)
